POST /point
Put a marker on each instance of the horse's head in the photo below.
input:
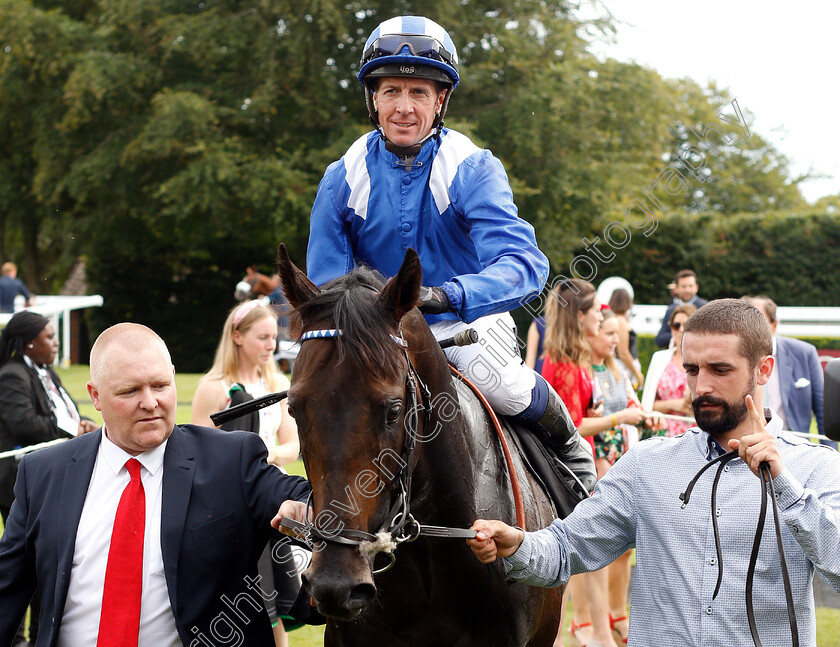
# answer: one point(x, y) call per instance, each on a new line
point(254, 285)
point(354, 413)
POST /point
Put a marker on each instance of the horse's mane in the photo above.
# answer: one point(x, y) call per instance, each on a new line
point(348, 300)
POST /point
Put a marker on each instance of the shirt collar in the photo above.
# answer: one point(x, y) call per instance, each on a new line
point(116, 458)
point(713, 448)
point(31, 364)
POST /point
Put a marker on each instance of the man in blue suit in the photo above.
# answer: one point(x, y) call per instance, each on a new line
point(795, 388)
point(207, 500)
point(685, 284)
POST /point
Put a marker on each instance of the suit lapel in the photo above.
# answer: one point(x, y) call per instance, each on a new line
point(786, 387)
point(73, 493)
point(178, 472)
point(40, 393)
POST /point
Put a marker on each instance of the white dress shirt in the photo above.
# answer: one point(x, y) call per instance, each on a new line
point(773, 390)
point(66, 415)
point(80, 623)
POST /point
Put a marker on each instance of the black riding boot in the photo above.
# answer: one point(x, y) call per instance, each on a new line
point(557, 431)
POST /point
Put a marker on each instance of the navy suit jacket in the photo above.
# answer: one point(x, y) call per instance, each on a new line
point(218, 497)
point(663, 337)
point(798, 363)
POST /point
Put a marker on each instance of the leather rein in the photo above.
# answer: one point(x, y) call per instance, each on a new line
point(764, 472)
point(403, 527)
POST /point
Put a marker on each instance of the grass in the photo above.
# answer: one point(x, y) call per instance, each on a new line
point(828, 631)
point(75, 379)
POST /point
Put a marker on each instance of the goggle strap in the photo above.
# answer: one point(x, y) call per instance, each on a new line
point(375, 50)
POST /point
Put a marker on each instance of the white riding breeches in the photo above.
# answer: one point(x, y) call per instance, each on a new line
point(494, 363)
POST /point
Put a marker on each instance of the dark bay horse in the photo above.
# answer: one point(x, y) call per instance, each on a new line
point(352, 395)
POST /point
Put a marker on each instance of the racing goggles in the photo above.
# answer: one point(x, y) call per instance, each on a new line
point(419, 44)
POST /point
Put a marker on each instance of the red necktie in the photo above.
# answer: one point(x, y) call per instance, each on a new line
point(119, 624)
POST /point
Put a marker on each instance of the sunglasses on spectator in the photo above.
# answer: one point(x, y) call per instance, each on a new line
point(677, 326)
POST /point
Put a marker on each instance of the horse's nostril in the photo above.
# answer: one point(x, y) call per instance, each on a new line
point(361, 595)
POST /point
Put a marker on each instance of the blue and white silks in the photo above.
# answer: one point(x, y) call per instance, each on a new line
point(454, 207)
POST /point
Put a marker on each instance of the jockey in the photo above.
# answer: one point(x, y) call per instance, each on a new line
point(414, 183)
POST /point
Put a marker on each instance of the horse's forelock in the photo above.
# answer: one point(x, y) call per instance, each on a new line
point(349, 301)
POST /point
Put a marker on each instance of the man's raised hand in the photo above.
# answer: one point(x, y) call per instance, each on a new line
point(760, 445)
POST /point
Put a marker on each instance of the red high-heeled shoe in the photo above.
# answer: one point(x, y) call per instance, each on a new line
point(575, 641)
point(616, 633)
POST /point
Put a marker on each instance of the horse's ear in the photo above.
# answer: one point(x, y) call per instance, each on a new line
point(296, 285)
point(401, 293)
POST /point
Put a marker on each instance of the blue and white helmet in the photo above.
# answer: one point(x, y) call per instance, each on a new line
point(401, 43)
point(411, 46)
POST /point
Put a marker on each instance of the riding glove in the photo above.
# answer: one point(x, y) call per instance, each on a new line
point(433, 301)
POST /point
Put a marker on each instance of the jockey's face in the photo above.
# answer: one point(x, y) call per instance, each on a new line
point(407, 108)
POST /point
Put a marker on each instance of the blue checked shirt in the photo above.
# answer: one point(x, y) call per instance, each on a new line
point(637, 505)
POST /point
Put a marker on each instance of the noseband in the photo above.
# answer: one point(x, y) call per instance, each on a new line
point(403, 527)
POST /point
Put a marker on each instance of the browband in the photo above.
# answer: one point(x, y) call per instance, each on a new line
point(337, 332)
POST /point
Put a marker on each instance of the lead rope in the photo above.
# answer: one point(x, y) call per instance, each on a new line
point(766, 479)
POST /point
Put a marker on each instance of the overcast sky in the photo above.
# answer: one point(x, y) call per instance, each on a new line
point(778, 59)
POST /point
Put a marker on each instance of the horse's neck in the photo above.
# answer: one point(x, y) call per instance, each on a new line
point(263, 285)
point(455, 452)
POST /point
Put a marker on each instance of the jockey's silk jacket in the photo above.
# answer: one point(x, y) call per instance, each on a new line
point(454, 207)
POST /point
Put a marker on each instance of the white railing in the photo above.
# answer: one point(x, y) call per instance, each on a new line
point(794, 321)
point(58, 309)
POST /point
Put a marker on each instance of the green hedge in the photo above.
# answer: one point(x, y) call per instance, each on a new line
point(647, 346)
point(792, 257)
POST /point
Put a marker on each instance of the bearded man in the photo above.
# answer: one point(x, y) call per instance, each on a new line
point(727, 355)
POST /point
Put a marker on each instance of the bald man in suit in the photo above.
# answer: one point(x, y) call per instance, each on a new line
point(208, 495)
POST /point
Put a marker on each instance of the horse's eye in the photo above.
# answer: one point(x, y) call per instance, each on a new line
point(393, 413)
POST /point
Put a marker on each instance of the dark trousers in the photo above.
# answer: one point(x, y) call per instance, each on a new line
point(34, 607)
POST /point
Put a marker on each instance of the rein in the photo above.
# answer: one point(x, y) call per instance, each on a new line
point(764, 472)
point(403, 527)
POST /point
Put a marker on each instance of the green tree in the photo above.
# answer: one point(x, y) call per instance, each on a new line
point(174, 144)
point(36, 51)
point(744, 175)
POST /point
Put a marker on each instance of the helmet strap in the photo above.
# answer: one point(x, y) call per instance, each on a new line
point(407, 151)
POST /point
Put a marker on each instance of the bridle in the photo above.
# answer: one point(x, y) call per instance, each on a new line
point(764, 472)
point(402, 527)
